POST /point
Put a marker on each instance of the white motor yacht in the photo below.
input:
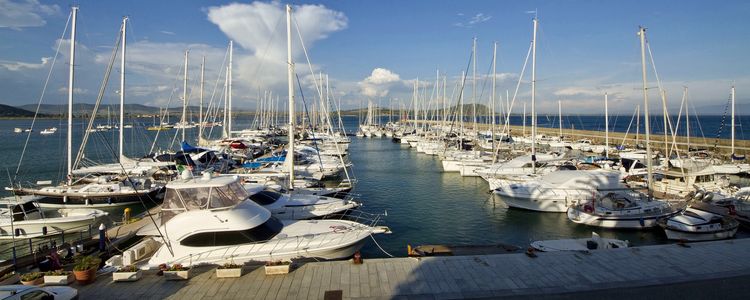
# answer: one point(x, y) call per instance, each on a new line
point(297, 206)
point(208, 220)
point(21, 217)
point(556, 191)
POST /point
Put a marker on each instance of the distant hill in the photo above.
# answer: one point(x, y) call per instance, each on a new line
point(85, 109)
point(7, 111)
point(482, 110)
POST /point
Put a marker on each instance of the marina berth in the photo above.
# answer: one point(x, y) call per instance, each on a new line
point(620, 209)
point(700, 222)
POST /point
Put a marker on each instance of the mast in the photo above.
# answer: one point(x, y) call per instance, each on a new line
point(200, 108)
point(229, 91)
point(524, 119)
point(606, 125)
point(533, 99)
point(225, 132)
point(687, 120)
point(492, 106)
point(474, 83)
point(122, 91)
point(732, 121)
point(649, 167)
point(70, 95)
point(559, 113)
point(664, 112)
point(290, 81)
point(184, 96)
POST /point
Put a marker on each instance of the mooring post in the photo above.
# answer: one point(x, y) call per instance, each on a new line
point(102, 236)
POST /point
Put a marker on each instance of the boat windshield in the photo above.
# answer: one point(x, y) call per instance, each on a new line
point(180, 200)
point(265, 197)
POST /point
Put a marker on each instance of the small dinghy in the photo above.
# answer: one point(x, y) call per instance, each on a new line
point(700, 221)
point(594, 243)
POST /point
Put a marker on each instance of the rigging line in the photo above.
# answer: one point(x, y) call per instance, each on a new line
point(265, 50)
point(307, 114)
point(41, 97)
point(162, 116)
point(100, 96)
point(307, 57)
point(140, 199)
point(213, 94)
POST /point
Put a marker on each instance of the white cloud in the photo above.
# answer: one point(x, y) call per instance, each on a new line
point(22, 66)
point(475, 19)
point(379, 83)
point(77, 91)
point(167, 32)
point(25, 13)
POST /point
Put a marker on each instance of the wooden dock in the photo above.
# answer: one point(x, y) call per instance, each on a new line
point(710, 269)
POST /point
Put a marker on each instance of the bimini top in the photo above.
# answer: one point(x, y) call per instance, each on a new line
point(203, 193)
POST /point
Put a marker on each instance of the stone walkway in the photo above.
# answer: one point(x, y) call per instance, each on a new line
point(553, 274)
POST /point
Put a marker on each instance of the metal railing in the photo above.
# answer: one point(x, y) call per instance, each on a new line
point(11, 250)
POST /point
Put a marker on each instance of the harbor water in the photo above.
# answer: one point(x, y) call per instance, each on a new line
point(423, 204)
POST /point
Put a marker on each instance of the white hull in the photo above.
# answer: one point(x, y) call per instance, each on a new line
point(552, 205)
point(694, 237)
point(580, 217)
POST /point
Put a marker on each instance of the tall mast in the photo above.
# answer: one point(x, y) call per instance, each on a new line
point(606, 125)
point(649, 167)
point(200, 108)
point(559, 114)
point(290, 81)
point(122, 91)
point(492, 106)
point(524, 120)
point(732, 122)
point(184, 96)
point(70, 96)
point(474, 83)
point(665, 116)
point(225, 131)
point(533, 99)
point(687, 119)
point(229, 91)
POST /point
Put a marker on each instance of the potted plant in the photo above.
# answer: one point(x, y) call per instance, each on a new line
point(127, 273)
point(177, 272)
point(85, 268)
point(10, 278)
point(277, 267)
point(229, 270)
point(33, 278)
point(58, 277)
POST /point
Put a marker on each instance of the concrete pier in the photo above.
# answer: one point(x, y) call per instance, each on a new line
point(702, 270)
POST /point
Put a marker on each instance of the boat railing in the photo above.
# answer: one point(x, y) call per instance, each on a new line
point(285, 247)
point(37, 243)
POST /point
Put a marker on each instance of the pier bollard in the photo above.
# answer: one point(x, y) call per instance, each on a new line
point(126, 216)
point(102, 236)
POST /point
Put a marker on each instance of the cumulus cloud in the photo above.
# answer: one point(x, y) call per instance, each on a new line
point(25, 13)
point(22, 66)
point(379, 83)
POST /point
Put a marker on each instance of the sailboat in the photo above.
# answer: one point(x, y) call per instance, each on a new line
point(735, 167)
point(95, 194)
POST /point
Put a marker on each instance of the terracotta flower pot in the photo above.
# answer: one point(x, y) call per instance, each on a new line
point(85, 277)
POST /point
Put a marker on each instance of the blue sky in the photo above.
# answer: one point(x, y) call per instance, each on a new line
point(373, 50)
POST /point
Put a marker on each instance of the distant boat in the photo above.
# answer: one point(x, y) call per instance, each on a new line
point(49, 131)
point(17, 130)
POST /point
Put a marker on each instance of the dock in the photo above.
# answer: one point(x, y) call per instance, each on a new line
point(699, 270)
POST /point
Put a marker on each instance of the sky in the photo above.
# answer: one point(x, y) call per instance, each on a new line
point(376, 50)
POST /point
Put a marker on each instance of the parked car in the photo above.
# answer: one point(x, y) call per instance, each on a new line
point(13, 292)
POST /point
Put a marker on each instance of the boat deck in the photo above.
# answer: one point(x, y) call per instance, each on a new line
point(708, 269)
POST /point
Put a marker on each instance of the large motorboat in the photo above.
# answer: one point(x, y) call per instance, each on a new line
point(556, 191)
point(208, 220)
point(297, 206)
point(21, 217)
point(622, 208)
point(95, 194)
point(700, 222)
